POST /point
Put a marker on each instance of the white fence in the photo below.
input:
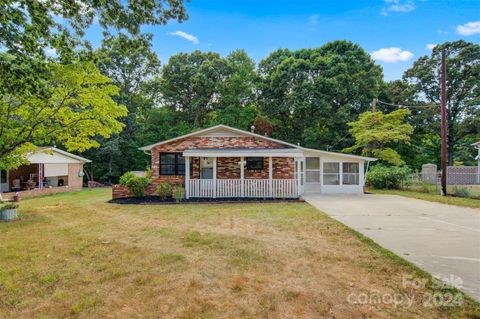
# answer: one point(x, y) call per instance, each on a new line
point(252, 188)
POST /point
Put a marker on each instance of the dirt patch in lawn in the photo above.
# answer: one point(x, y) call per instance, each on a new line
point(88, 258)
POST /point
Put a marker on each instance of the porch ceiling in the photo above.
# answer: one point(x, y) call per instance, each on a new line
point(243, 152)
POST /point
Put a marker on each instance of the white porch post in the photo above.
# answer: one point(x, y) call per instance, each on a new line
point(187, 177)
point(340, 164)
point(270, 177)
point(214, 177)
point(321, 173)
point(242, 177)
point(299, 176)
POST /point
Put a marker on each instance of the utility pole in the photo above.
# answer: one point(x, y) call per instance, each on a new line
point(443, 97)
point(374, 105)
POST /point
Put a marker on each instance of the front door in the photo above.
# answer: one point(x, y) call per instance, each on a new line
point(313, 175)
point(206, 167)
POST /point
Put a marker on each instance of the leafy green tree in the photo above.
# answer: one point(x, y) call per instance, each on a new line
point(313, 93)
point(236, 105)
point(32, 31)
point(463, 89)
point(375, 133)
point(190, 84)
point(424, 143)
point(27, 28)
point(75, 106)
point(130, 62)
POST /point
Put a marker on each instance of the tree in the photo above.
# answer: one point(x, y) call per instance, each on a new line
point(130, 62)
point(375, 133)
point(190, 84)
point(75, 106)
point(313, 93)
point(236, 104)
point(463, 88)
point(31, 29)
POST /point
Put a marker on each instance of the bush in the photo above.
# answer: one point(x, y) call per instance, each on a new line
point(461, 192)
point(135, 184)
point(164, 190)
point(425, 188)
point(381, 176)
point(178, 193)
point(9, 206)
point(125, 178)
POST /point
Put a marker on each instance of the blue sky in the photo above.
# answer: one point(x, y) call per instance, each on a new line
point(402, 28)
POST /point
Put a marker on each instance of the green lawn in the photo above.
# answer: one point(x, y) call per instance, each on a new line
point(75, 255)
point(450, 200)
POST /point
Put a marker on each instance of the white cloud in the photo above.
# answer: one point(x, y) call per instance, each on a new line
point(392, 55)
point(398, 6)
point(443, 32)
point(469, 28)
point(186, 36)
point(430, 46)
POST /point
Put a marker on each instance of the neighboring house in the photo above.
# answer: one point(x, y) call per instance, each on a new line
point(50, 170)
point(222, 162)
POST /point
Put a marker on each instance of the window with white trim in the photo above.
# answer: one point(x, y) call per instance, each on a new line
point(331, 173)
point(350, 174)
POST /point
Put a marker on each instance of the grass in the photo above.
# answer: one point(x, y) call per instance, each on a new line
point(450, 200)
point(74, 255)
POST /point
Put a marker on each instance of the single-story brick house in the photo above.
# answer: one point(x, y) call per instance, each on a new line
point(222, 162)
point(50, 170)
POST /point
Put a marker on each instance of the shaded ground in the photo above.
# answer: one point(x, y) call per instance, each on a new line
point(75, 255)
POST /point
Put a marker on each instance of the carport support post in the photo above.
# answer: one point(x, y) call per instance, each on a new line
point(40, 179)
point(187, 177)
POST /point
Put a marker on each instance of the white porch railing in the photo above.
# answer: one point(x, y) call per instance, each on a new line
point(253, 188)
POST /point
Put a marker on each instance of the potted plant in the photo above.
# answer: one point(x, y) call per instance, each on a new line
point(8, 211)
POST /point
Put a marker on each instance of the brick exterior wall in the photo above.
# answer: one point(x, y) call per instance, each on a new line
point(73, 179)
point(210, 142)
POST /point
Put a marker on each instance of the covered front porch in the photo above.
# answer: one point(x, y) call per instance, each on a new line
point(244, 173)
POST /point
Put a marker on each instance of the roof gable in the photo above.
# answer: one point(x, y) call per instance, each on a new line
point(218, 130)
point(54, 155)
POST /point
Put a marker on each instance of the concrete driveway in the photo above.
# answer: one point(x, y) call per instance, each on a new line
point(441, 239)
